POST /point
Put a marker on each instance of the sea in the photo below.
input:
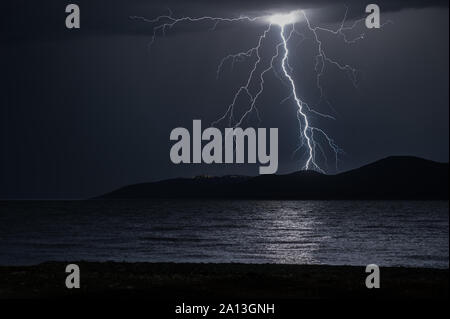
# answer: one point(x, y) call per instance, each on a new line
point(386, 233)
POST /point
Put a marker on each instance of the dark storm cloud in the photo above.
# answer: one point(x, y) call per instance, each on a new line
point(44, 20)
point(262, 5)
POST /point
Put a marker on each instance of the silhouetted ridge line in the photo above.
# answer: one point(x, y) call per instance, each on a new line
point(397, 177)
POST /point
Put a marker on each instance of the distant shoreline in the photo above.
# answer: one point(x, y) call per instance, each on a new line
point(392, 178)
point(169, 281)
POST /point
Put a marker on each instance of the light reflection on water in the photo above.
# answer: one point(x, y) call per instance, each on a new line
point(401, 233)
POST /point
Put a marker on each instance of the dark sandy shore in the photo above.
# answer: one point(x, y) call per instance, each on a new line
point(217, 281)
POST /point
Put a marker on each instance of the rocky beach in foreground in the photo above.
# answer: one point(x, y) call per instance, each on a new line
point(197, 281)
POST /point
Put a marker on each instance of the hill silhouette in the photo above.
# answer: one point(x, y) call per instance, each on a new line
point(397, 177)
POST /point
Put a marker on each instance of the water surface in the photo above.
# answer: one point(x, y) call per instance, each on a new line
point(390, 233)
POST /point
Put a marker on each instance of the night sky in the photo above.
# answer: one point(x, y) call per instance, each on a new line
point(86, 111)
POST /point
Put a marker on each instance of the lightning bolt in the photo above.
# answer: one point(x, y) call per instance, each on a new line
point(306, 128)
point(258, 72)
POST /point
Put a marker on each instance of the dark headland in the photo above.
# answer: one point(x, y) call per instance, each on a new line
point(399, 177)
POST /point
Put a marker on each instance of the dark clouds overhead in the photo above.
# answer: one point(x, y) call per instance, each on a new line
point(31, 20)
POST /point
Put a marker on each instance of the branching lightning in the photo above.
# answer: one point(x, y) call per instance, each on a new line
point(286, 23)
